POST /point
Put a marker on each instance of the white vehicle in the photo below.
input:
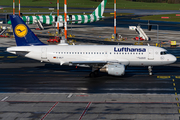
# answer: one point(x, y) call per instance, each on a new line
point(109, 58)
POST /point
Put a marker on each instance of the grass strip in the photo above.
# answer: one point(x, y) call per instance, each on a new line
point(166, 17)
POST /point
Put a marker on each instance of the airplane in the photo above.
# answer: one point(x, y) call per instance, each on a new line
point(112, 59)
point(74, 19)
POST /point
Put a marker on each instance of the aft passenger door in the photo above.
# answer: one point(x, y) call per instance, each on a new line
point(43, 53)
point(151, 54)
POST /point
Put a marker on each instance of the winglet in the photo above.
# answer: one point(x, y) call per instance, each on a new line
point(23, 35)
point(100, 9)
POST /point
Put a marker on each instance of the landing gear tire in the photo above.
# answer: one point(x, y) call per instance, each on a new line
point(150, 73)
point(94, 74)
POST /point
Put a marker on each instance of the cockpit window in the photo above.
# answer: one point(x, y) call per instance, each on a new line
point(164, 52)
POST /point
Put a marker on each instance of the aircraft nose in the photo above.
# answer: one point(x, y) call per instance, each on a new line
point(173, 58)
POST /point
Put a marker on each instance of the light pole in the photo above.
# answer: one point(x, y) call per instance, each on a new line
point(13, 7)
point(115, 19)
point(58, 16)
point(65, 19)
point(19, 8)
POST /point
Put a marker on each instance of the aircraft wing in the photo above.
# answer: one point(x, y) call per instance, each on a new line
point(123, 61)
point(87, 62)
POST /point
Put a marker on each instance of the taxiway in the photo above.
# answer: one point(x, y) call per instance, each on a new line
point(31, 90)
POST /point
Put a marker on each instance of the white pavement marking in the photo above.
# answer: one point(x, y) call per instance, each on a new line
point(70, 95)
point(4, 98)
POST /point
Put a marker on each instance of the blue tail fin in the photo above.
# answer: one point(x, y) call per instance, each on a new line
point(23, 35)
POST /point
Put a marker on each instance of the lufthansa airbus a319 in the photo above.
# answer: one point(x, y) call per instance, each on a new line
point(112, 59)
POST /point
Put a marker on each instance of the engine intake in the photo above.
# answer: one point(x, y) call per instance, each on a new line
point(114, 69)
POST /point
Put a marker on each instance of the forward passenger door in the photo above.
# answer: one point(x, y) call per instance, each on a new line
point(151, 54)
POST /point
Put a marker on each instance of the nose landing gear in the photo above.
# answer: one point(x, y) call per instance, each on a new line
point(150, 70)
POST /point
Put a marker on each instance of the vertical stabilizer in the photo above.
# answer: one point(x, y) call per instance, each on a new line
point(100, 9)
point(23, 35)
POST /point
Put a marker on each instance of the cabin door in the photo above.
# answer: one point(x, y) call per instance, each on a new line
point(151, 54)
point(44, 53)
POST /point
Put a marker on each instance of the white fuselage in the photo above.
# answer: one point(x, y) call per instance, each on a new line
point(127, 55)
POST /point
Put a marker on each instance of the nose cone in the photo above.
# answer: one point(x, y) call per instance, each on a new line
point(173, 59)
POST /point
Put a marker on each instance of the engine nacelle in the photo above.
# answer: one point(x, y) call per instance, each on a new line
point(114, 69)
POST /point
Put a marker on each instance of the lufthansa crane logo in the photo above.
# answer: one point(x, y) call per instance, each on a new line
point(21, 30)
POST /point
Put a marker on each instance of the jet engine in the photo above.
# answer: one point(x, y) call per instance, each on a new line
point(114, 69)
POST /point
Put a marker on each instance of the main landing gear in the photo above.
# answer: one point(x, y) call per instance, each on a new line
point(94, 73)
point(150, 70)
